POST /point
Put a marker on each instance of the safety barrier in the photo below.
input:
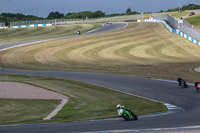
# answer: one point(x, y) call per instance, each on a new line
point(174, 30)
point(4, 27)
point(34, 25)
point(2, 24)
point(181, 25)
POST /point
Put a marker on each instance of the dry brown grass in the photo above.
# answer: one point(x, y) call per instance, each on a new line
point(22, 34)
point(139, 50)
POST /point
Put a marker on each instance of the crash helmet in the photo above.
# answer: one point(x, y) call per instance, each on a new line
point(118, 106)
point(195, 81)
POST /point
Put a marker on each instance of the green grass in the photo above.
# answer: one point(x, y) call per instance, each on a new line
point(86, 102)
point(19, 110)
point(22, 34)
point(177, 15)
point(119, 18)
point(194, 20)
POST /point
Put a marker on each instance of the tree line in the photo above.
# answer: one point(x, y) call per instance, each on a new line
point(183, 8)
point(12, 17)
point(86, 14)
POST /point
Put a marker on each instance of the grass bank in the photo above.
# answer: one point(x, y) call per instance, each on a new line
point(19, 110)
point(22, 34)
point(141, 49)
point(178, 15)
point(86, 102)
point(194, 20)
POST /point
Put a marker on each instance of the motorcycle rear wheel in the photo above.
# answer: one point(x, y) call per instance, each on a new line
point(135, 117)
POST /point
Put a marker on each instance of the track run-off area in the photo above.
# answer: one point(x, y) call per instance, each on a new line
point(140, 49)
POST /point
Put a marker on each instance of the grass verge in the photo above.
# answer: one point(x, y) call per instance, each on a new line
point(19, 110)
point(86, 102)
point(194, 20)
point(22, 34)
point(177, 15)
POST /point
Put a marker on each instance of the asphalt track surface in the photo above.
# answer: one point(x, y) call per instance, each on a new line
point(164, 91)
point(105, 28)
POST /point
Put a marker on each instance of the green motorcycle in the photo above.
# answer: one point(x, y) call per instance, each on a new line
point(126, 113)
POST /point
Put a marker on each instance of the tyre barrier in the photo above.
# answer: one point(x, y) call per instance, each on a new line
point(174, 30)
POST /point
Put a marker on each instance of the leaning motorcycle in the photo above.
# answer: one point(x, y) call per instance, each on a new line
point(127, 114)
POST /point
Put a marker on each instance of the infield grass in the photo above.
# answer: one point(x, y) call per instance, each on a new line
point(19, 110)
point(86, 102)
point(177, 15)
point(141, 50)
point(22, 34)
point(194, 20)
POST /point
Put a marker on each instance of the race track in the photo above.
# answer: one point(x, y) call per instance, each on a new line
point(164, 91)
point(105, 28)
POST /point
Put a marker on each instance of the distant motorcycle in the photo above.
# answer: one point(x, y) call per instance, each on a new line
point(197, 85)
point(79, 33)
point(125, 113)
point(182, 83)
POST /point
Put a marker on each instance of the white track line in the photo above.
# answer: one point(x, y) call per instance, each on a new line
point(170, 81)
point(35, 42)
point(124, 26)
point(63, 101)
point(56, 110)
point(26, 44)
point(94, 29)
point(142, 130)
point(171, 110)
point(49, 39)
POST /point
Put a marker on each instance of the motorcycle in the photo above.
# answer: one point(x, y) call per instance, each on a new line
point(126, 114)
point(197, 85)
point(182, 83)
point(79, 33)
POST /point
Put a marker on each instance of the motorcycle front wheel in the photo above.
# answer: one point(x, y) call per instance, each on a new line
point(125, 117)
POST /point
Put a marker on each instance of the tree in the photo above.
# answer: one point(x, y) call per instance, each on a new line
point(128, 11)
point(185, 7)
point(11, 17)
point(190, 7)
point(161, 11)
point(83, 15)
point(97, 14)
point(55, 15)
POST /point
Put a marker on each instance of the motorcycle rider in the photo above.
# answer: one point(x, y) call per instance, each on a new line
point(182, 82)
point(196, 85)
point(119, 107)
point(79, 32)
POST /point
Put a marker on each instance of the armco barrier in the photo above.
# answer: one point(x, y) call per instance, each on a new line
point(174, 30)
point(34, 25)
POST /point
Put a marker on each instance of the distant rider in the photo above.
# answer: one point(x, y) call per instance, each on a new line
point(196, 85)
point(182, 82)
point(79, 32)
